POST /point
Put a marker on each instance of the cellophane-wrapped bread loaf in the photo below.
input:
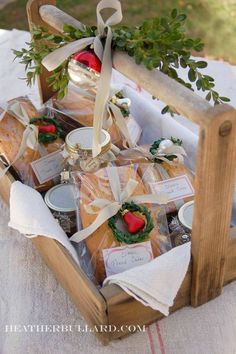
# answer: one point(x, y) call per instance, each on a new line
point(93, 186)
point(11, 132)
point(81, 109)
point(152, 172)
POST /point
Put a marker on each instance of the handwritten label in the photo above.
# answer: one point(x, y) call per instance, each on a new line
point(119, 259)
point(176, 188)
point(48, 167)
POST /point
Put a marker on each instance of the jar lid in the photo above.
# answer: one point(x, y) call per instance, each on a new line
point(185, 214)
point(83, 137)
point(61, 198)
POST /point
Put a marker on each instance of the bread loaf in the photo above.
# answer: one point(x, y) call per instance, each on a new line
point(81, 109)
point(11, 132)
point(151, 173)
point(93, 186)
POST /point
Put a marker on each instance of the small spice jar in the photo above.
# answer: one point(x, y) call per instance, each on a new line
point(78, 149)
point(185, 215)
point(61, 201)
point(181, 226)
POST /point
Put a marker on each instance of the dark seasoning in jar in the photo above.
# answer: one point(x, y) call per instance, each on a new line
point(181, 226)
point(61, 201)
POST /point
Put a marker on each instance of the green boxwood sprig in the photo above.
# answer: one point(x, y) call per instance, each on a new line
point(47, 138)
point(154, 147)
point(158, 43)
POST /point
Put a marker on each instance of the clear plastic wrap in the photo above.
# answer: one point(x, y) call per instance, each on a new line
point(11, 133)
point(152, 173)
point(79, 106)
point(178, 233)
point(108, 253)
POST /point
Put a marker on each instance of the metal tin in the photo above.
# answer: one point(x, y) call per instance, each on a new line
point(60, 200)
point(185, 215)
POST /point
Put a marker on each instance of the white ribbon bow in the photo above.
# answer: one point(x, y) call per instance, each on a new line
point(30, 135)
point(113, 110)
point(160, 154)
point(106, 208)
point(56, 58)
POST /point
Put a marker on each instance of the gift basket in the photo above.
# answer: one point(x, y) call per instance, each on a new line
point(117, 183)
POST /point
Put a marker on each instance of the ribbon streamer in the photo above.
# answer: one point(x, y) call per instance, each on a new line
point(105, 208)
point(57, 57)
point(176, 150)
point(30, 135)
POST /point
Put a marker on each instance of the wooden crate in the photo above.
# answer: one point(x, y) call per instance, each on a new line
point(213, 242)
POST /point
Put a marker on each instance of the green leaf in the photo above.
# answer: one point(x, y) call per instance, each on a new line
point(183, 63)
point(209, 78)
point(192, 75)
point(68, 29)
point(165, 110)
point(17, 53)
point(174, 13)
point(208, 96)
point(181, 17)
point(224, 99)
point(201, 64)
point(215, 95)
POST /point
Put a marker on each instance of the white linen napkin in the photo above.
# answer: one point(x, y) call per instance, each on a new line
point(30, 216)
point(156, 283)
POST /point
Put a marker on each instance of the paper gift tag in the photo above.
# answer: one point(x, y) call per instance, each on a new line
point(176, 188)
point(48, 167)
point(119, 259)
point(134, 129)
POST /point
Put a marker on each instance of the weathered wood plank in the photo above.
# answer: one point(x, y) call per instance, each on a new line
point(213, 203)
point(35, 19)
point(230, 266)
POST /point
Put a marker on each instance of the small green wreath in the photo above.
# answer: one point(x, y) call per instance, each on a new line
point(127, 237)
point(47, 137)
point(154, 147)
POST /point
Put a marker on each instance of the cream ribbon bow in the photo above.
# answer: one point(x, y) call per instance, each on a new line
point(106, 208)
point(176, 150)
point(30, 135)
point(113, 109)
point(57, 57)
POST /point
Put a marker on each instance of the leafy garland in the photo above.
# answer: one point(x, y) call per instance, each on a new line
point(158, 43)
point(154, 147)
point(43, 137)
point(127, 237)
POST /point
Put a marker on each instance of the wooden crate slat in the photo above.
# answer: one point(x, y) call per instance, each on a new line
point(230, 267)
point(35, 19)
point(214, 184)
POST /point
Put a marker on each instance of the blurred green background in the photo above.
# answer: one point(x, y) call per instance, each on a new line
point(212, 20)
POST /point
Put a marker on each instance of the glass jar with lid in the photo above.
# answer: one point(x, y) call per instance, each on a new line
point(78, 150)
point(61, 201)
